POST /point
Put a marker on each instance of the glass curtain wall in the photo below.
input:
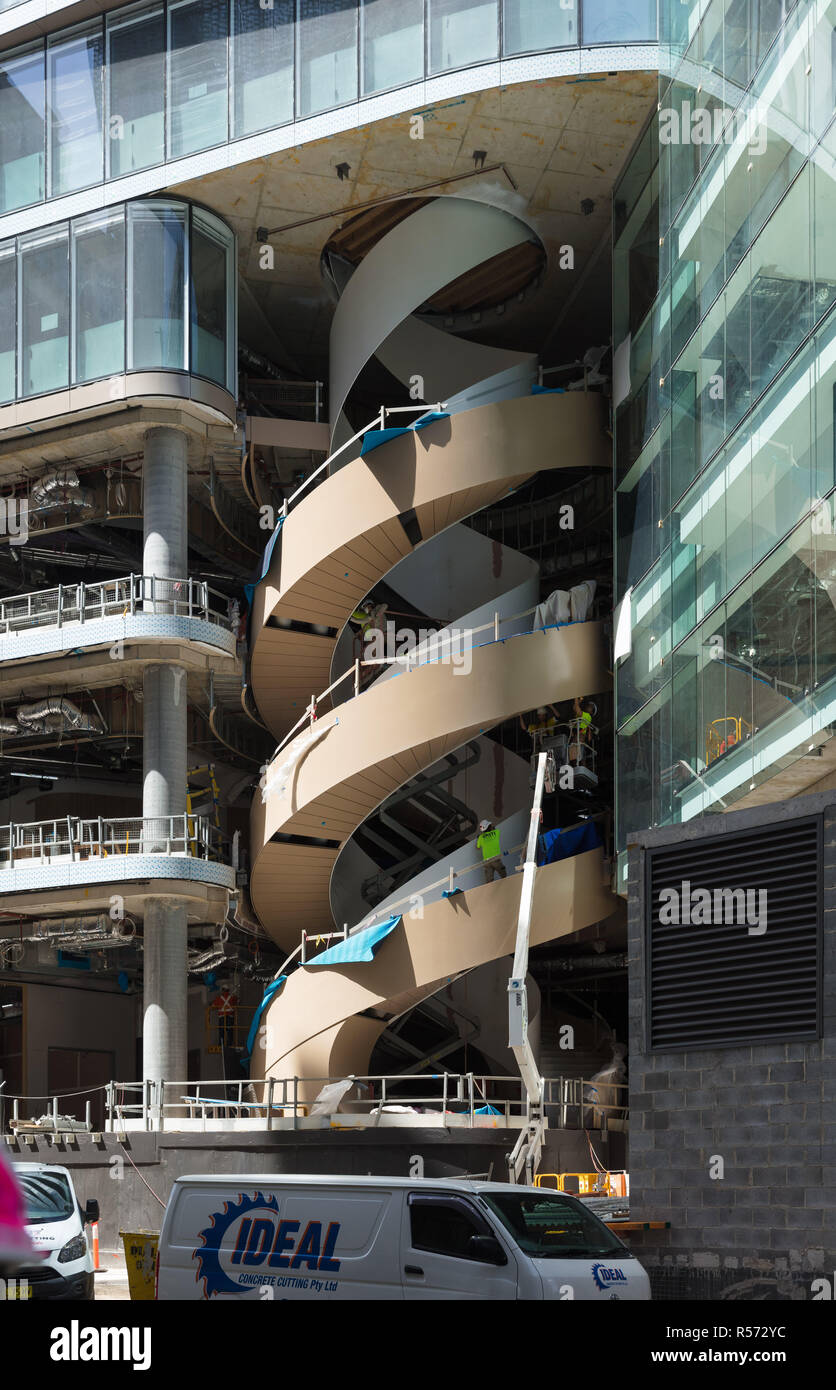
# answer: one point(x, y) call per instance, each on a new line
point(724, 330)
point(163, 79)
point(147, 285)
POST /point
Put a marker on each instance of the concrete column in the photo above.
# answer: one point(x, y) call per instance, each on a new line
point(164, 760)
point(164, 1030)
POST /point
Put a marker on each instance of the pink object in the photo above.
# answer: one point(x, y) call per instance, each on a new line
point(15, 1245)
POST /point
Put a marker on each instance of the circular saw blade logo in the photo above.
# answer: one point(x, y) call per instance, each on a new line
point(605, 1277)
point(215, 1279)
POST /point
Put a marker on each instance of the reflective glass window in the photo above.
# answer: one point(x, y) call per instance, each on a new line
point(262, 47)
point(393, 43)
point(619, 21)
point(74, 103)
point(8, 294)
point(209, 271)
point(22, 130)
point(462, 32)
point(136, 89)
point(198, 94)
point(156, 285)
point(530, 25)
point(327, 54)
point(44, 298)
point(98, 294)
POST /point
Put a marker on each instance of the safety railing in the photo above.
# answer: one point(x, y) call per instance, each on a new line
point(114, 598)
point(449, 645)
point(378, 422)
point(70, 839)
point(457, 1099)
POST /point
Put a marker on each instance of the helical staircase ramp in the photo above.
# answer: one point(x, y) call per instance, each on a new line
point(341, 539)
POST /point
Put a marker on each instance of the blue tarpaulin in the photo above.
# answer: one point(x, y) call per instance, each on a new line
point(269, 993)
point(564, 844)
point(268, 549)
point(548, 390)
point(372, 439)
point(357, 948)
point(451, 892)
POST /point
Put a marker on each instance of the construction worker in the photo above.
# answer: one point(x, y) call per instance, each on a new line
point(370, 617)
point(488, 842)
point(582, 728)
point(542, 725)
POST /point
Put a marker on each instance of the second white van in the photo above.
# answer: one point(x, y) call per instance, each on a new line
point(322, 1238)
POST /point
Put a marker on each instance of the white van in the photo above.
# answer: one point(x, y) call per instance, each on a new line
point(55, 1224)
point(305, 1237)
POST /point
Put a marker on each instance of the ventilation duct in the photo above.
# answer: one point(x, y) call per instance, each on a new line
point(60, 490)
point(52, 716)
point(8, 726)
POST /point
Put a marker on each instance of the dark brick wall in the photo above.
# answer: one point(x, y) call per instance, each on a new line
point(767, 1228)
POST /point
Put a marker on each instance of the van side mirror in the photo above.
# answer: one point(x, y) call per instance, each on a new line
point(91, 1212)
point(487, 1249)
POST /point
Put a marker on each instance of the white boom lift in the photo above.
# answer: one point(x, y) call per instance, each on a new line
point(526, 1152)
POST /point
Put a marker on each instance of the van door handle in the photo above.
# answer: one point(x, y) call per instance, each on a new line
point(413, 1269)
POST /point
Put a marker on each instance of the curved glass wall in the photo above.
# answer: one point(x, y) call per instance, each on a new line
point(145, 286)
point(156, 81)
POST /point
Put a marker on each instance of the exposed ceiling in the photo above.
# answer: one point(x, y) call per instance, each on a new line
point(562, 141)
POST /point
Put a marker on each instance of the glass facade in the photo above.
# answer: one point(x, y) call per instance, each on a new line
point(147, 285)
point(725, 459)
point(156, 81)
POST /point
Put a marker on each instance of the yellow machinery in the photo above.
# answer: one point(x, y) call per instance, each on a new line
point(202, 799)
point(589, 1184)
point(723, 734)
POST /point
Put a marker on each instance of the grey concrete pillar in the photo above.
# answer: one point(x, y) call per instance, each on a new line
point(164, 760)
point(165, 1014)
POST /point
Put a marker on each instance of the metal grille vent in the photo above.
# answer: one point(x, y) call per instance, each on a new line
point(725, 981)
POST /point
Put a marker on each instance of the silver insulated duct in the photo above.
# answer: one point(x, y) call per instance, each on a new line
point(55, 715)
point(60, 491)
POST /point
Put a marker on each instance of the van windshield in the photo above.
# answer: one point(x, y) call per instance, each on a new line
point(551, 1225)
point(48, 1197)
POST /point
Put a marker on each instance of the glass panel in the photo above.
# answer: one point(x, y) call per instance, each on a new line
point(530, 25)
point(619, 21)
point(197, 39)
point(208, 298)
point(262, 46)
point(44, 310)
point(98, 271)
point(327, 54)
point(156, 285)
point(7, 321)
point(136, 89)
point(393, 43)
point(462, 32)
point(74, 100)
point(22, 130)
point(824, 221)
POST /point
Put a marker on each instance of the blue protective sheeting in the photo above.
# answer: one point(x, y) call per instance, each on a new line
point(269, 994)
point(548, 390)
point(564, 844)
point(268, 549)
point(451, 892)
point(360, 947)
point(487, 1110)
point(373, 439)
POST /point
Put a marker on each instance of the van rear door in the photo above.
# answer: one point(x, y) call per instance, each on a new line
point(439, 1259)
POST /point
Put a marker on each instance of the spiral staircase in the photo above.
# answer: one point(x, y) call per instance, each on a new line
point(401, 502)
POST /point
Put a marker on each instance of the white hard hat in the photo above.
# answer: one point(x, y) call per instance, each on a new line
point(485, 824)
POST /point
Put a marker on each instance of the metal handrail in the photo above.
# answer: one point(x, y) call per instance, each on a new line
point(409, 661)
point(121, 597)
point(378, 422)
point(79, 840)
point(457, 1093)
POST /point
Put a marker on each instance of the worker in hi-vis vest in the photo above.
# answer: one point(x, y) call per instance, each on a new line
point(582, 729)
point(488, 843)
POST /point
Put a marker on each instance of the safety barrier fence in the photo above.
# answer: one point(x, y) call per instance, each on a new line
point(114, 598)
point(70, 839)
point(453, 1099)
